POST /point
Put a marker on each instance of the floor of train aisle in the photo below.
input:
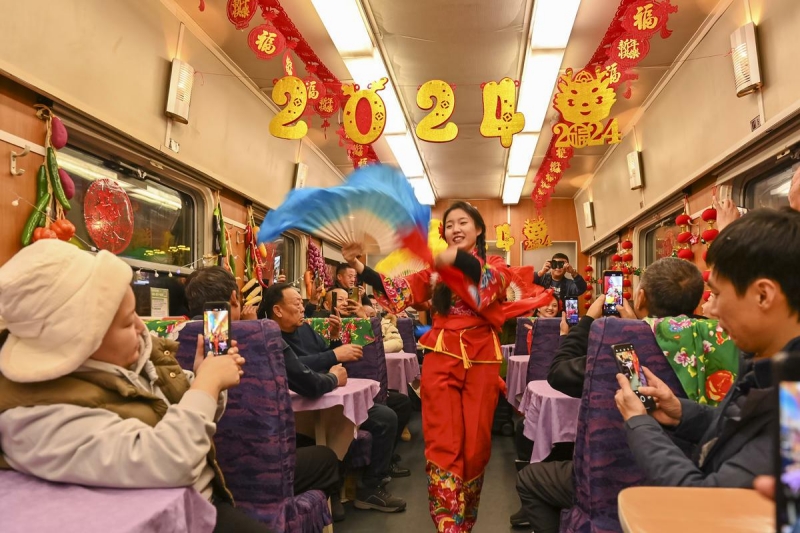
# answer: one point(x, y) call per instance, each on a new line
point(498, 501)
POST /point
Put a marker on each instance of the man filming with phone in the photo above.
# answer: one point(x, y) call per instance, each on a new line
point(346, 279)
point(552, 276)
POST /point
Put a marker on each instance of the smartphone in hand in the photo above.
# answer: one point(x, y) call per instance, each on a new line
point(353, 294)
point(612, 288)
point(217, 327)
point(628, 364)
point(571, 308)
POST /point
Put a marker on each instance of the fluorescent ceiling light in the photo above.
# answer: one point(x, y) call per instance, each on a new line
point(345, 25)
point(512, 189)
point(423, 190)
point(552, 23)
point(406, 154)
point(366, 70)
point(521, 153)
point(538, 80)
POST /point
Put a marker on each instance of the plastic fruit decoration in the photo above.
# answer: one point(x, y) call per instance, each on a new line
point(44, 233)
point(63, 228)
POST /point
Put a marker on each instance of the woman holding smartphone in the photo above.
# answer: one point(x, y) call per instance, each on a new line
point(461, 383)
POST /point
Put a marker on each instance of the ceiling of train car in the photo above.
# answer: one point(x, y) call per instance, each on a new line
point(466, 43)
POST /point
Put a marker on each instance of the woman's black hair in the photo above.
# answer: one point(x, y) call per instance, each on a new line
point(442, 295)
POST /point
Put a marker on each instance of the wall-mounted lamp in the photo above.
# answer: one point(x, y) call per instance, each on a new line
point(180, 91)
point(745, 60)
point(635, 169)
point(588, 214)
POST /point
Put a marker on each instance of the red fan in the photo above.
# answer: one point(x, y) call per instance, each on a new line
point(521, 285)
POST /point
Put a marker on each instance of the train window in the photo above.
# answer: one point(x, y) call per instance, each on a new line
point(284, 258)
point(163, 216)
point(659, 240)
point(771, 190)
point(604, 260)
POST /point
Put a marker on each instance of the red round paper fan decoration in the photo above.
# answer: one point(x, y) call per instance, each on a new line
point(108, 215)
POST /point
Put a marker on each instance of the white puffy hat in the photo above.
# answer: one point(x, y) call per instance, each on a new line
point(57, 302)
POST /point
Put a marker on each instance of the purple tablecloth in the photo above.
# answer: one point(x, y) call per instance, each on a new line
point(401, 369)
point(508, 350)
point(550, 417)
point(515, 378)
point(29, 504)
point(356, 398)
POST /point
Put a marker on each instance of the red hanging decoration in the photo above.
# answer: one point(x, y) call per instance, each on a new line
point(265, 41)
point(315, 89)
point(240, 12)
point(108, 215)
point(645, 17)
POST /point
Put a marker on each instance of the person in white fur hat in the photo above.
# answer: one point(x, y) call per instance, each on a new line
point(78, 367)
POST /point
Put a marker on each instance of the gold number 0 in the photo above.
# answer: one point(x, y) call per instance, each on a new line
point(428, 128)
point(291, 92)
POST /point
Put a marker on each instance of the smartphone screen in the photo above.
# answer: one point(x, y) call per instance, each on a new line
point(353, 294)
point(334, 300)
point(571, 308)
point(628, 364)
point(612, 288)
point(217, 327)
point(788, 493)
point(786, 373)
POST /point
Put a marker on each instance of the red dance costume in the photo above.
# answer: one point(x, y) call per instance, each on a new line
point(460, 385)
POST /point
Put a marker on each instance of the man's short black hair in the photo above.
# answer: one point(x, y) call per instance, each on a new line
point(673, 287)
point(270, 298)
point(765, 243)
point(561, 256)
point(341, 267)
point(209, 284)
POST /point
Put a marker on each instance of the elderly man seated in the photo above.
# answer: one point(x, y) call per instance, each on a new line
point(283, 304)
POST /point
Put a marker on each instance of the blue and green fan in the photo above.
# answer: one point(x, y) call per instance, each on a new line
point(376, 206)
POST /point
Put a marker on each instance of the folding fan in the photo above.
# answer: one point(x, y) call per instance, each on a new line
point(376, 206)
point(404, 263)
point(521, 285)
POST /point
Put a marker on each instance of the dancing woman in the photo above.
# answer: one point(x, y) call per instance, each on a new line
point(460, 382)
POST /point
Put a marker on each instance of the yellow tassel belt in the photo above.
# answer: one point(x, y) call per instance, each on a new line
point(440, 348)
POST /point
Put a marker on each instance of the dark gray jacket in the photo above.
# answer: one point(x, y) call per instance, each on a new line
point(734, 440)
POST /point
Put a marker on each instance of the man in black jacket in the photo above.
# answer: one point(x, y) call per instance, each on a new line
point(283, 304)
point(552, 276)
point(316, 467)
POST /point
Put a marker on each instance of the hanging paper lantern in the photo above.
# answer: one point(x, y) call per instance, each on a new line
point(588, 278)
point(686, 253)
point(684, 237)
point(627, 258)
point(709, 215)
point(626, 295)
point(626, 270)
point(626, 282)
point(587, 305)
point(616, 258)
point(683, 220)
point(588, 268)
point(587, 296)
point(108, 215)
point(266, 42)
point(626, 245)
point(240, 12)
point(710, 234)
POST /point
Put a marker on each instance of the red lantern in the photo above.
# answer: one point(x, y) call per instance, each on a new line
point(627, 245)
point(706, 275)
point(626, 283)
point(240, 12)
point(626, 270)
point(683, 220)
point(706, 295)
point(588, 268)
point(627, 258)
point(710, 215)
point(686, 253)
point(265, 41)
point(710, 234)
point(588, 278)
point(587, 305)
point(684, 237)
point(626, 295)
point(587, 296)
point(616, 258)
